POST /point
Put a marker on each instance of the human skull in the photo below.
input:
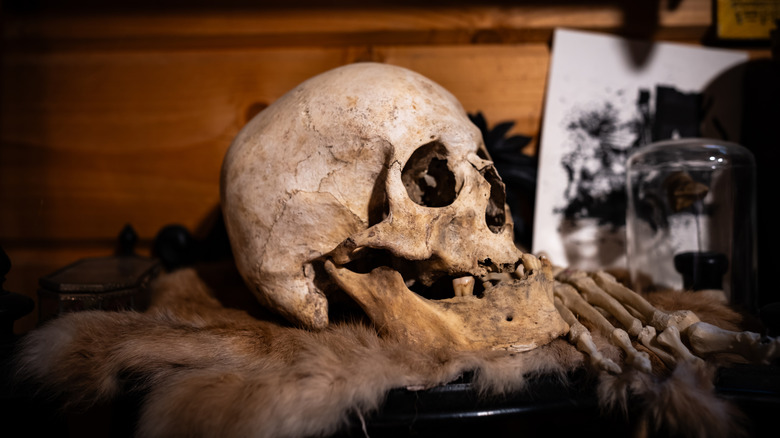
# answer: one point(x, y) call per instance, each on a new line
point(371, 179)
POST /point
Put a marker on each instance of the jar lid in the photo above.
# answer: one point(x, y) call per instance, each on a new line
point(101, 274)
point(691, 154)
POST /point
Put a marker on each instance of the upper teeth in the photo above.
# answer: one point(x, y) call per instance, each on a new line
point(463, 286)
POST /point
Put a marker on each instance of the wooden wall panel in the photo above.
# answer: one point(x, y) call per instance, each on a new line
point(505, 82)
point(95, 140)
point(92, 141)
point(344, 23)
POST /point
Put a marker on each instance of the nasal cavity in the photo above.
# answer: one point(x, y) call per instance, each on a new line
point(428, 178)
point(495, 215)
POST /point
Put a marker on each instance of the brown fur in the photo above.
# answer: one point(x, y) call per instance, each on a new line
point(208, 370)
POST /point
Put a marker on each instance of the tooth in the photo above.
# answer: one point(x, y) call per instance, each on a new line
point(519, 272)
point(463, 286)
point(531, 263)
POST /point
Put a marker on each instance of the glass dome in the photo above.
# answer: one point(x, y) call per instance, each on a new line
point(690, 223)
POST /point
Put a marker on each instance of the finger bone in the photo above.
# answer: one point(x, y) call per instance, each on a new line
point(706, 338)
point(637, 359)
point(598, 297)
point(649, 314)
point(569, 297)
point(670, 338)
point(580, 336)
point(648, 338)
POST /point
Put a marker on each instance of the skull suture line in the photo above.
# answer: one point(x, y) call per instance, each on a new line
point(372, 178)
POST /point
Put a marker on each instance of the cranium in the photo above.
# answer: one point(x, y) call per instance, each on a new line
point(371, 179)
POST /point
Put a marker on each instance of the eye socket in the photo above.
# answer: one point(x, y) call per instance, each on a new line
point(428, 178)
point(495, 215)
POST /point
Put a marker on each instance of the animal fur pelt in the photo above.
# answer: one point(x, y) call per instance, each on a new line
point(211, 371)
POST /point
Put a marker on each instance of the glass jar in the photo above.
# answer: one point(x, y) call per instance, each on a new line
point(691, 218)
point(113, 283)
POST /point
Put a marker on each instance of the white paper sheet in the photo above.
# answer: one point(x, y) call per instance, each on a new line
point(593, 120)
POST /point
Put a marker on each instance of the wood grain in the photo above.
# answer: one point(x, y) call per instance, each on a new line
point(370, 23)
point(92, 141)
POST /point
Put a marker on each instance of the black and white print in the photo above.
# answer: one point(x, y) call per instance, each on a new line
point(606, 98)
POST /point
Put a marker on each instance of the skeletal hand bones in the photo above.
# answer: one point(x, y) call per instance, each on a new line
point(654, 328)
point(370, 179)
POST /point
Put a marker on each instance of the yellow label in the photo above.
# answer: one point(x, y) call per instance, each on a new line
point(747, 19)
